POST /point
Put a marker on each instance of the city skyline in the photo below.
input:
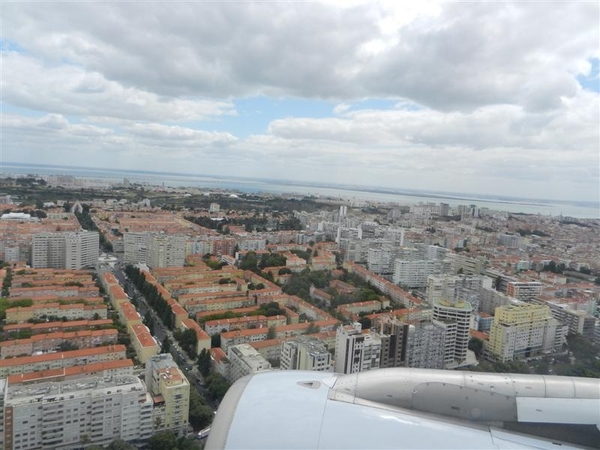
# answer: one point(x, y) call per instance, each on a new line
point(492, 98)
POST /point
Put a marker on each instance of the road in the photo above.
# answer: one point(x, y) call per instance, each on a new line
point(161, 332)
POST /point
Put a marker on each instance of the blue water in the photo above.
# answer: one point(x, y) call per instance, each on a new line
point(250, 185)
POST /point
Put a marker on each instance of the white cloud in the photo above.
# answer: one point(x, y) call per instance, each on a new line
point(341, 108)
point(486, 94)
point(71, 90)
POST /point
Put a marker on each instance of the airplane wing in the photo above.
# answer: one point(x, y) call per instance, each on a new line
point(405, 408)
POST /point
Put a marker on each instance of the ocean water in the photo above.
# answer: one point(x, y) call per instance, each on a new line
point(249, 185)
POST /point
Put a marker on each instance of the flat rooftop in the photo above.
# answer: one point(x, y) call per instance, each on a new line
point(48, 391)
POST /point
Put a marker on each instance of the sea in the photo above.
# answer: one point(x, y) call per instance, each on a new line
point(576, 209)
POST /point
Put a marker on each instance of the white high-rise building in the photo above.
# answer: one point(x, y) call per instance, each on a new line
point(154, 249)
point(356, 351)
point(305, 354)
point(68, 250)
point(62, 415)
point(456, 315)
point(414, 273)
point(381, 259)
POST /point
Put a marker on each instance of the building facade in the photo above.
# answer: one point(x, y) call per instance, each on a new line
point(305, 354)
point(67, 250)
point(456, 317)
point(245, 360)
point(525, 330)
point(68, 414)
point(171, 393)
point(356, 351)
point(426, 345)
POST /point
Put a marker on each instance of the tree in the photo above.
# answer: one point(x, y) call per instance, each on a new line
point(66, 346)
point(188, 340)
point(166, 346)
point(119, 444)
point(84, 439)
point(271, 334)
point(365, 322)
point(204, 362)
point(312, 329)
point(476, 345)
point(200, 414)
point(163, 440)
point(215, 340)
point(249, 261)
point(217, 385)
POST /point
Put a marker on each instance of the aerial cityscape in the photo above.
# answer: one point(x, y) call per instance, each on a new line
point(195, 193)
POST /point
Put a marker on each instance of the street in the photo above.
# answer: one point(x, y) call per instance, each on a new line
point(161, 332)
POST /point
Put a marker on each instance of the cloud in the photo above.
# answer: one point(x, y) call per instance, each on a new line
point(488, 95)
point(573, 128)
point(71, 90)
point(453, 56)
point(163, 135)
point(341, 108)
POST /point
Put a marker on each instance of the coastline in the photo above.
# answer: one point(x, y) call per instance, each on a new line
point(578, 209)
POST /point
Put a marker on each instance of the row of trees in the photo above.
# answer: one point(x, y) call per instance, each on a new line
point(153, 297)
point(7, 282)
point(187, 340)
point(201, 414)
point(87, 223)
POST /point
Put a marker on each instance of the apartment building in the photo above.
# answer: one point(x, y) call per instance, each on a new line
point(426, 345)
point(171, 393)
point(356, 351)
point(154, 249)
point(143, 343)
point(245, 360)
point(13, 331)
point(59, 360)
point(525, 330)
point(62, 415)
point(52, 341)
point(381, 260)
point(465, 264)
point(455, 314)
point(57, 311)
point(68, 250)
point(394, 339)
point(490, 299)
point(305, 354)
point(524, 290)
point(414, 273)
point(509, 240)
point(237, 323)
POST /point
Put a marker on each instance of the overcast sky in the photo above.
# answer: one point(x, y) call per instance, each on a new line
point(494, 98)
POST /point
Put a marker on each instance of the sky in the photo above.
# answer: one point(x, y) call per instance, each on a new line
point(497, 98)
